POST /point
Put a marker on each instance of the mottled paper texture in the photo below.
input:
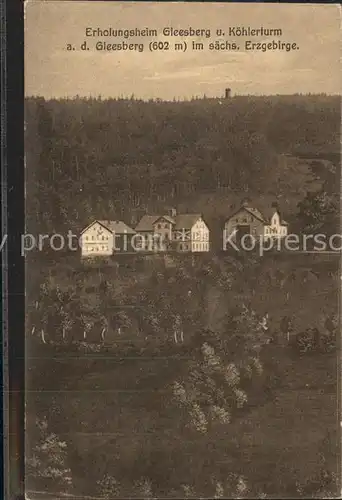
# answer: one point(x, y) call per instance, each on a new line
point(53, 71)
point(182, 250)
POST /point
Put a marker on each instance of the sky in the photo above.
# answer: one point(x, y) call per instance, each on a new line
point(53, 71)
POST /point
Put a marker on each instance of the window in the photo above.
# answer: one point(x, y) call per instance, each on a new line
point(159, 226)
point(180, 246)
point(236, 220)
point(245, 219)
point(93, 237)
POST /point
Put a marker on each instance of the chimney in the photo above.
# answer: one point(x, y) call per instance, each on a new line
point(275, 205)
point(227, 93)
point(245, 202)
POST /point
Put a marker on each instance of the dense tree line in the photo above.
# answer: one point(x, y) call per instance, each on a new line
point(319, 211)
point(98, 158)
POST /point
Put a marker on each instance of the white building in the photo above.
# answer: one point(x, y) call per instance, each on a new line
point(182, 232)
point(277, 227)
point(105, 237)
point(155, 232)
point(248, 220)
point(191, 234)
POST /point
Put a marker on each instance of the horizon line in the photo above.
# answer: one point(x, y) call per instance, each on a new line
point(203, 97)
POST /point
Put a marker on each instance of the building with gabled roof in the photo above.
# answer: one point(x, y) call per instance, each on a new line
point(147, 222)
point(248, 220)
point(180, 232)
point(105, 237)
point(117, 226)
point(191, 233)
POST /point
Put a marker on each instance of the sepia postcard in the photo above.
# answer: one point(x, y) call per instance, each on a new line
point(182, 249)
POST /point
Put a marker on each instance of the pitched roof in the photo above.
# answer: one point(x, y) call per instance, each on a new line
point(264, 217)
point(270, 211)
point(256, 213)
point(251, 210)
point(115, 226)
point(147, 221)
point(181, 221)
point(186, 221)
point(166, 217)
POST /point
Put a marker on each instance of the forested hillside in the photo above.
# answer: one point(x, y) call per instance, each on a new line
point(93, 158)
point(178, 380)
point(172, 376)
